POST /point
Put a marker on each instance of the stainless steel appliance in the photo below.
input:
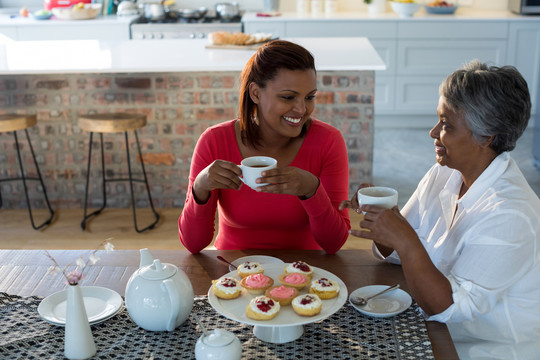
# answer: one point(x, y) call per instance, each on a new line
point(176, 26)
point(524, 6)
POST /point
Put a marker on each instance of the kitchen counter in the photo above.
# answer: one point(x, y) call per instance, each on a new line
point(181, 87)
point(420, 15)
point(95, 56)
point(15, 20)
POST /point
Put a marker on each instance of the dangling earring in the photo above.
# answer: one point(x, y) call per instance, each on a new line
point(254, 117)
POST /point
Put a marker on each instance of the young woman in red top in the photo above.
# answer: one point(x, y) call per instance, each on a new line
point(299, 209)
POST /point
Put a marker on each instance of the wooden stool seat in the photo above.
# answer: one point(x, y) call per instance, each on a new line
point(16, 122)
point(115, 123)
point(112, 122)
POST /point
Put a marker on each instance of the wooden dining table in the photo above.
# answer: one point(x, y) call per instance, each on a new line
point(27, 273)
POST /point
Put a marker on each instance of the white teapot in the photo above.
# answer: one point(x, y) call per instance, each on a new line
point(218, 345)
point(158, 296)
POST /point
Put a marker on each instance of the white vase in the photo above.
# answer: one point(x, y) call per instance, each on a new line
point(78, 339)
point(377, 7)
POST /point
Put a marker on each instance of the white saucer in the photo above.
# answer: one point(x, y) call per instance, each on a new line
point(392, 303)
point(100, 303)
point(261, 259)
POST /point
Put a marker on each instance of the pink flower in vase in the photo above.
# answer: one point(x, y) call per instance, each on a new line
point(75, 276)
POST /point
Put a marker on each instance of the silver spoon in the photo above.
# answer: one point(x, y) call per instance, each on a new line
point(225, 261)
point(200, 324)
point(357, 300)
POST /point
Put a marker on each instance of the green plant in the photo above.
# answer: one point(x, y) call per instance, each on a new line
point(367, 1)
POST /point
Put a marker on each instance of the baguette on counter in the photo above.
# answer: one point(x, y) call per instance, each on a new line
point(237, 38)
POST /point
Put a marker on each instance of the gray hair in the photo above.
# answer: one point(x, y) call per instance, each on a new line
point(495, 101)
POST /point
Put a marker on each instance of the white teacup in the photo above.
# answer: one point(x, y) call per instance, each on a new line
point(384, 197)
point(253, 166)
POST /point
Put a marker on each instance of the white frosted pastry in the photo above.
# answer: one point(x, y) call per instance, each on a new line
point(307, 305)
point(262, 308)
point(324, 288)
point(250, 268)
point(226, 288)
point(299, 267)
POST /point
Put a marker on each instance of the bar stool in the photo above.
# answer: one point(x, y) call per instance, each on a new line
point(112, 123)
point(14, 123)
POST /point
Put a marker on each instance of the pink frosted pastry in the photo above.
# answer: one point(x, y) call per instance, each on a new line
point(257, 284)
point(295, 280)
point(282, 294)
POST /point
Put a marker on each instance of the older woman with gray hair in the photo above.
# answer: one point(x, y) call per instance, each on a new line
point(469, 237)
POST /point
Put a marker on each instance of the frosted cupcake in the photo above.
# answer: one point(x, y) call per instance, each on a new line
point(307, 305)
point(299, 267)
point(249, 268)
point(226, 288)
point(282, 294)
point(257, 284)
point(262, 308)
point(324, 288)
point(295, 280)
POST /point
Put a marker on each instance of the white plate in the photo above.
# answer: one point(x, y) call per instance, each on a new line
point(100, 303)
point(261, 259)
point(392, 303)
point(235, 309)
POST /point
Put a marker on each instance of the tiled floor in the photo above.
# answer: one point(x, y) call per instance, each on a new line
point(402, 157)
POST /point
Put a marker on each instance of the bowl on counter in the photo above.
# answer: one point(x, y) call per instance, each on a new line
point(41, 15)
point(440, 9)
point(89, 11)
point(405, 9)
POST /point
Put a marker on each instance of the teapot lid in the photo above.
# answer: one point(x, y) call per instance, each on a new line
point(158, 271)
point(219, 337)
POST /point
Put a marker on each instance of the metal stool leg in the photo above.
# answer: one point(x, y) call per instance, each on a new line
point(104, 192)
point(24, 178)
point(133, 205)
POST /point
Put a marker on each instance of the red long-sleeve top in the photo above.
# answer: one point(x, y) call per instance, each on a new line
point(256, 220)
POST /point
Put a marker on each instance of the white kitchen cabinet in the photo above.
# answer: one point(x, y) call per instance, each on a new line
point(275, 27)
point(70, 32)
point(420, 52)
point(109, 27)
point(524, 53)
point(9, 31)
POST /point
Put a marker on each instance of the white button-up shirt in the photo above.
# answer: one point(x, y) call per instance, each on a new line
point(490, 253)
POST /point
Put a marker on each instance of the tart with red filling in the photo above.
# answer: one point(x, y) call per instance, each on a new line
point(262, 308)
point(226, 288)
point(299, 267)
point(324, 288)
point(249, 268)
point(307, 305)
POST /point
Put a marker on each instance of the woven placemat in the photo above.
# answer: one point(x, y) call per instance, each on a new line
point(347, 334)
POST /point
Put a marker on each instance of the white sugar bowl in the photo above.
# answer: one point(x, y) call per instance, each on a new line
point(218, 345)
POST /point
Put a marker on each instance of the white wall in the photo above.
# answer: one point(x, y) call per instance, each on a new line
point(285, 5)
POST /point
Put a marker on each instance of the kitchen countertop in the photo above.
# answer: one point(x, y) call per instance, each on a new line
point(95, 56)
point(15, 20)
point(460, 14)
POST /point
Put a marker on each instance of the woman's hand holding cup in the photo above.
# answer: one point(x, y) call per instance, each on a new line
point(220, 174)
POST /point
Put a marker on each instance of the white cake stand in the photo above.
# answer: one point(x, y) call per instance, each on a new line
point(287, 326)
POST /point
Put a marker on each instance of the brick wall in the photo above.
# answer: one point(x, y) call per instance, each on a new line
point(179, 107)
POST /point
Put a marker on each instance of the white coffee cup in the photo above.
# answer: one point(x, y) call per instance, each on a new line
point(384, 197)
point(253, 166)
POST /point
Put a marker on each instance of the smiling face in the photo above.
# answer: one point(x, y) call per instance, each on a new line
point(286, 103)
point(454, 143)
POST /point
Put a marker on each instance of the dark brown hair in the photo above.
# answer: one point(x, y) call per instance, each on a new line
point(262, 67)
